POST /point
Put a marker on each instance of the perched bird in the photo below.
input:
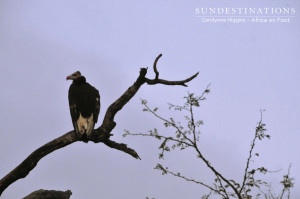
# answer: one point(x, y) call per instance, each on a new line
point(84, 102)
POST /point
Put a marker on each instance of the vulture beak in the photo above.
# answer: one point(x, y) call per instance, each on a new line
point(68, 78)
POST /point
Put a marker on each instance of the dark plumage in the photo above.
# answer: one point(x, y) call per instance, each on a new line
point(84, 101)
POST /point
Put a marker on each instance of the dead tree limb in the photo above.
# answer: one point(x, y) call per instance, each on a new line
point(49, 194)
point(101, 134)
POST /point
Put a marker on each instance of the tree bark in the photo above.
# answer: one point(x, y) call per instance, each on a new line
point(49, 194)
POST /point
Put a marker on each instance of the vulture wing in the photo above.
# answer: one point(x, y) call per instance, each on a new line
point(74, 115)
point(97, 106)
point(74, 106)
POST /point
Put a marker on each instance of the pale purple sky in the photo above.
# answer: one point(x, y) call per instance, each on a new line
point(250, 66)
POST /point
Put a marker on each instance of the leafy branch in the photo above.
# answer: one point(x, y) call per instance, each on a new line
point(189, 136)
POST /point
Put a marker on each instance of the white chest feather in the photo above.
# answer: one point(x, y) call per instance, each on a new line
point(85, 125)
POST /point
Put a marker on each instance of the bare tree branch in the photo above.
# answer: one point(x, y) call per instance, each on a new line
point(171, 83)
point(101, 134)
point(48, 194)
point(166, 82)
point(154, 66)
point(31, 161)
point(121, 147)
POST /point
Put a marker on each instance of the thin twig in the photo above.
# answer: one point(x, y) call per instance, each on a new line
point(193, 125)
point(159, 136)
point(250, 155)
point(224, 190)
point(192, 180)
point(171, 123)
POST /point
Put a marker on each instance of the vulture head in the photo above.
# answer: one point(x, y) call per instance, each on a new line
point(74, 76)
